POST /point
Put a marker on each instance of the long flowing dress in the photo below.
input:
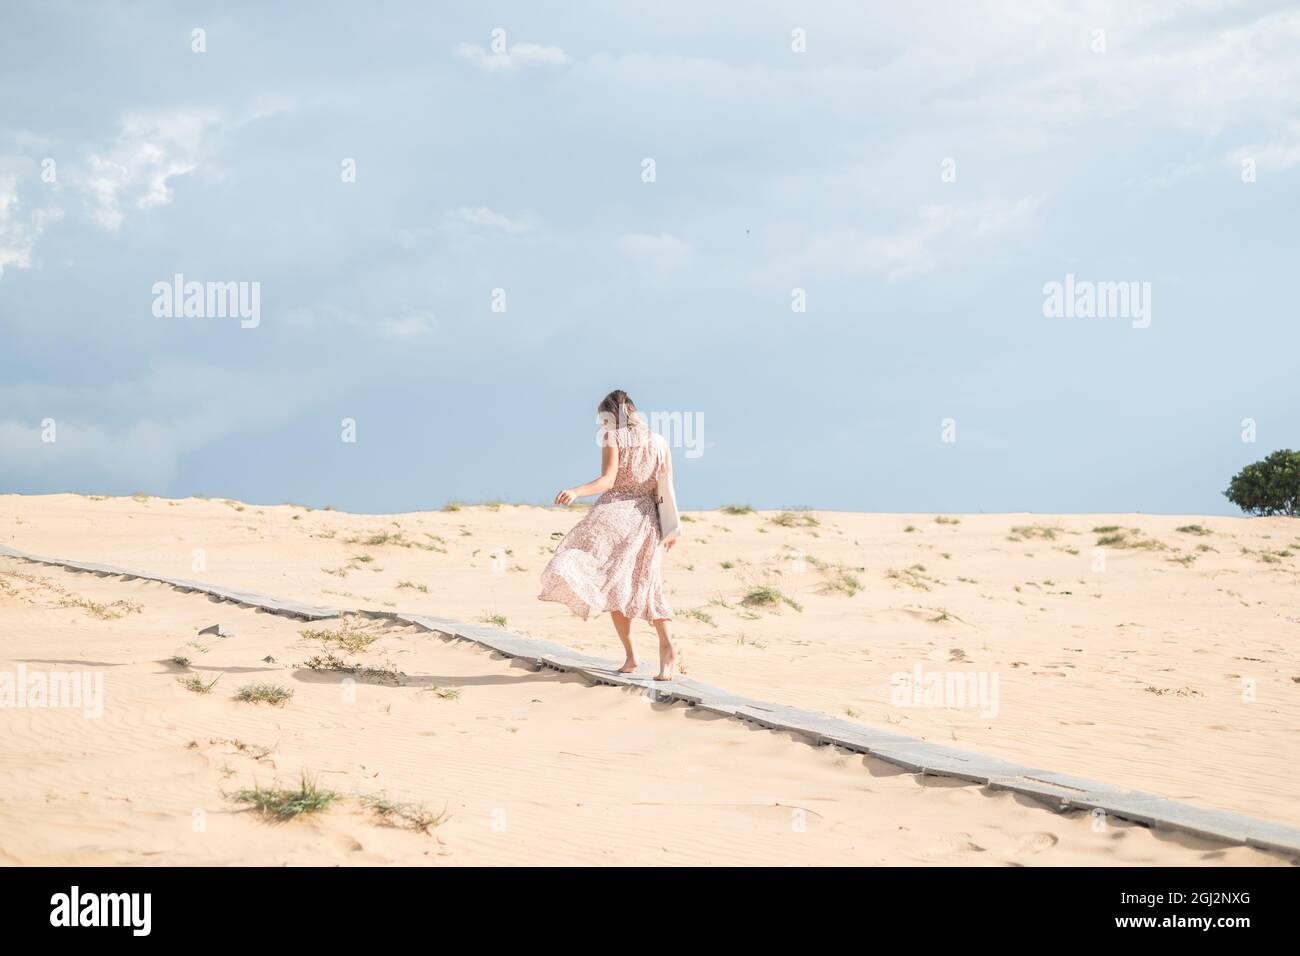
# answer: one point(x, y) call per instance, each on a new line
point(610, 560)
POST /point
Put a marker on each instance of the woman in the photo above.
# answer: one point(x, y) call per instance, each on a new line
point(610, 561)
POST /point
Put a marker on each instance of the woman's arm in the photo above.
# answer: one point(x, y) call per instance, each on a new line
point(608, 473)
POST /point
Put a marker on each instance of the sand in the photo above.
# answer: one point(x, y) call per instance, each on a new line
point(1169, 667)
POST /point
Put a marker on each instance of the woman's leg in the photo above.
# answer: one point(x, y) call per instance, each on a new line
point(623, 626)
point(667, 653)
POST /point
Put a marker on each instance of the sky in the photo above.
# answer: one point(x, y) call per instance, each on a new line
point(821, 234)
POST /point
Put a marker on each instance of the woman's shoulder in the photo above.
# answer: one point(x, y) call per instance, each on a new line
point(644, 436)
point(619, 437)
point(633, 433)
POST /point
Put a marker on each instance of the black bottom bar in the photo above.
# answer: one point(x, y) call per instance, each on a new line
point(695, 905)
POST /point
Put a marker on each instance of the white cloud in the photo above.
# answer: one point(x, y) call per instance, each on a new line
point(518, 57)
point(912, 250)
point(1014, 74)
point(152, 149)
point(995, 215)
point(135, 172)
point(482, 216)
point(1178, 63)
point(19, 230)
point(1281, 153)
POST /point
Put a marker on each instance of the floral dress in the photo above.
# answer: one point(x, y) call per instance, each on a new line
point(610, 560)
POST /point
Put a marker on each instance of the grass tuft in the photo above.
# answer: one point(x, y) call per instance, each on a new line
point(1026, 532)
point(701, 616)
point(349, 635)
point(1121, 540)
point(767, 596)
point(105, 612)
point(263, 693)
point(197, 684)
point(914, 577)
point(395, 539)
point(329, 661)
point(412, 816)
point(795, 519)
point(840, 580)
point(284, 805)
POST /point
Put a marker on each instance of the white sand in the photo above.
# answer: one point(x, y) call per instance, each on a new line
point(1135, 675)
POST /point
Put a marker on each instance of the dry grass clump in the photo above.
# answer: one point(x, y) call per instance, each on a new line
point(914, 577)
point(105, 612)
point(263, 693)
point(769, 597)
point(329, 661)
point(1027, 532)
point(840, 580)
point(281, 805)
point(795, 519)
point(352, 634)
point(1123, 541)
point(196, 683)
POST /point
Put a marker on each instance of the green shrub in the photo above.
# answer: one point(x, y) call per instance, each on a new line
point(1268, 487)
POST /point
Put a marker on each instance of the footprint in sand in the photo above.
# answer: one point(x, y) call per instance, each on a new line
point(1037, 842)
point(344, 842)
point(948, 845)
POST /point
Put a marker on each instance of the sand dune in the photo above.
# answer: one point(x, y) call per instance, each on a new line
point(527, 767)
point(1171, 668)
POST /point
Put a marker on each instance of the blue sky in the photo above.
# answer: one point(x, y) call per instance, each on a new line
point(1115, 156)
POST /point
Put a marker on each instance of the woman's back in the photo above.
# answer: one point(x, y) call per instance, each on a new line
point(640, 456)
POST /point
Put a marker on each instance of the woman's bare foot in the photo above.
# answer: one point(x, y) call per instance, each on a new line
point(629, 665)
point(667, 661)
